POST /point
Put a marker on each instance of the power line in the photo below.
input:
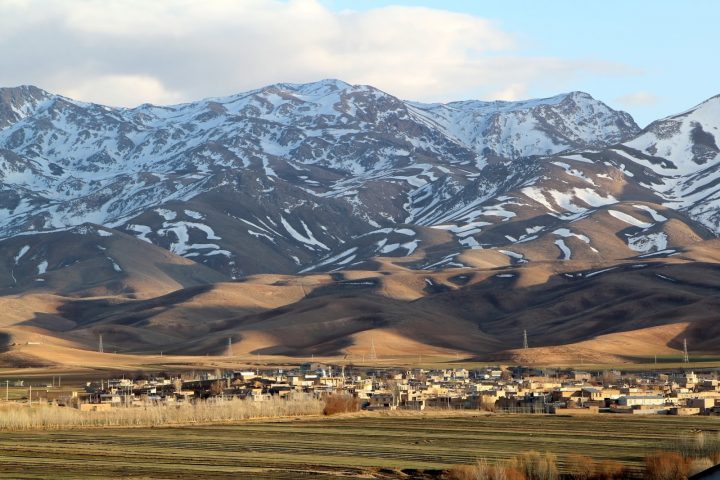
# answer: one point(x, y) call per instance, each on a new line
point(373, 353)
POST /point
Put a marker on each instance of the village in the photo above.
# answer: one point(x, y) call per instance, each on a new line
point(492, 389)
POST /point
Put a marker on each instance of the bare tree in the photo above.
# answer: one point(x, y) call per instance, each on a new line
point(217, 387)
point(177, 384)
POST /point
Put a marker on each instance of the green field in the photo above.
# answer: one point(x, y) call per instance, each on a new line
point(373, 444)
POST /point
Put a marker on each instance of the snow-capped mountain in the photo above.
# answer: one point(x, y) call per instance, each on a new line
point(533, 127)
point(18, 103)
point(327, 175)
point(681, 158)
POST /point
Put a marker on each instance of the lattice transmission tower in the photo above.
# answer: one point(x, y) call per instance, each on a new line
point(373, 353)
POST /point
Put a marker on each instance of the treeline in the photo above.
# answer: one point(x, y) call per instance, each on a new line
point(48, 417)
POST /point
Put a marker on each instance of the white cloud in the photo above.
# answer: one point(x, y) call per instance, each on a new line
point(122, 89)
point(514, 91)
point(638, 99)
point(133, 51)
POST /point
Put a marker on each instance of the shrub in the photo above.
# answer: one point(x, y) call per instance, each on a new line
point(698, 465)
point(510, 473)
point(666, 466)
point(340, 403)
point(610, 470)
point(482, 470)
point(463, 472)
point(581, 467)
point(487, 405)
point(536, 466)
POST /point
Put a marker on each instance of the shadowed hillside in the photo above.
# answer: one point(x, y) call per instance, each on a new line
point(603, 313)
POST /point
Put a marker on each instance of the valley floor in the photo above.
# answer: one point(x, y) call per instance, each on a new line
point(367, 445)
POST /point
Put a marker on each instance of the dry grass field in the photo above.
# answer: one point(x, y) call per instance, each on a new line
point(356, 446)
point(50, 417)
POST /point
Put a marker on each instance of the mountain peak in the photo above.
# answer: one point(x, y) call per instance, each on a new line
point(709, 105)
point(19, 102)
point(543, 126)
point(318, 88)
point(688, 141)
point(23, 90)
point(579, 94)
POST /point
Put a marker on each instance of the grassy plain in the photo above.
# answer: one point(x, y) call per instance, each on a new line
point(368, 445)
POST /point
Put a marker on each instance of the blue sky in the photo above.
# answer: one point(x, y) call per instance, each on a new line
point(672, 44)
point(650, 58)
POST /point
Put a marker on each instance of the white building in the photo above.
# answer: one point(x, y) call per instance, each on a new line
point(641, 400)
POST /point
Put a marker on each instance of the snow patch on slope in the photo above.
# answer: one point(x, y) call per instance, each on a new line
point(651, 242)
point(629, 219)
point(308, 238)
point(21, 253)
point(564, 249)
point(42, 267)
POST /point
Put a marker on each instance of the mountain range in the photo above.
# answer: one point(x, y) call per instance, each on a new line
point(304, 218)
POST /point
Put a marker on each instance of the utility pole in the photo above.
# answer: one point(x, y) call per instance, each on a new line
point(525, 342)
point(7, 390)
point(686, 357)
point(229, 347)
point(100, 345)
point(373, 353)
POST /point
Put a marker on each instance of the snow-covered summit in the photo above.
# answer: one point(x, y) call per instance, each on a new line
point(545, 126)
point(20, 102)
point(680, 155)
point(688, 142)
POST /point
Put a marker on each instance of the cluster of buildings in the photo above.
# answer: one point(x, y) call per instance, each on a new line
point(550, 391)
point(578, 393)
point(509, 390)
